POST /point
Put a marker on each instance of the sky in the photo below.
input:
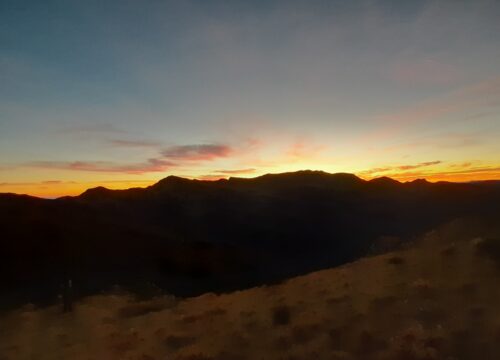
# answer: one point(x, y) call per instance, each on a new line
point(122, 93)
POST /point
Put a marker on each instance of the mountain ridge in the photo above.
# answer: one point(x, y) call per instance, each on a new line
point(192, 236)
point(174, 180)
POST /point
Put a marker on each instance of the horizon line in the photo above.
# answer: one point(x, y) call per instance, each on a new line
point(228, 178)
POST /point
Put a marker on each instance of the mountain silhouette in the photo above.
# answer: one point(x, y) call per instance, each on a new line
point(190, 236)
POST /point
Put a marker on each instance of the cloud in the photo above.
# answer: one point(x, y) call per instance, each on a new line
point(202, 152)
point(133, 143)
point(236, 171)
point(481, 95)
point(445, 141)
point(172, 157)
point(398, 168)
point(150, 165)
point(6, 168)
point(46, 182)
point(465, 174)
point(463, 165)
point(52, 182)
point(91, 129)
point(416, 166)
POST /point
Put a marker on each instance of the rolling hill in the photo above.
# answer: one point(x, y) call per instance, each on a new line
point(188, 237)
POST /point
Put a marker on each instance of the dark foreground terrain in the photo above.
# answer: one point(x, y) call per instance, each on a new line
point(437, 298)
point(188, 237)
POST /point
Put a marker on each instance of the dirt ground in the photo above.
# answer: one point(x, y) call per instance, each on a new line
point(437, 299)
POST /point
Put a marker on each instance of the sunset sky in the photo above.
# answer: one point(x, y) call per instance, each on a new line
point(122, 93)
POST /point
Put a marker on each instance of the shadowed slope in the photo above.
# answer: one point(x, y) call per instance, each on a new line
point(190, 236)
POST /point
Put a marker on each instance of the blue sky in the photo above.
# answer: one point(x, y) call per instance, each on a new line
point(106, 91)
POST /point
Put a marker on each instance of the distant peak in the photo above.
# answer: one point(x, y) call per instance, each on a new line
point(313, 174)
point(95, 192)
point(170, 180)
point(419, 182)
point(384, 180)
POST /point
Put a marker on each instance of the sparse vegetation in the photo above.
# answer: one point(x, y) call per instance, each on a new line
point(489, 248)
point(281, 315)
point(396, 260)
point(177, 341)
point(140, 309)
point(417, 314)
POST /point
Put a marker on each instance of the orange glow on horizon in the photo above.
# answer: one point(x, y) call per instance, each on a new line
point(55, 189)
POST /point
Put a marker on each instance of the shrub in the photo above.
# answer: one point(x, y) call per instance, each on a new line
point(175, 342)
point(396, 260)
point(281, 315)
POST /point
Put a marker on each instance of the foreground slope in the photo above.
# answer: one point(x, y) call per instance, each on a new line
point(435, 299)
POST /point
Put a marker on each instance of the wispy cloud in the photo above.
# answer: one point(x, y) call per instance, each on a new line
point(465, 174)
point(485, 93)
point(151, 165)
point(134, 143)
point(172, 157)
point(97, 128)
point(235, 171)
point(202, 152)
point(481, 95)
point(398, 168)
point(39, 183)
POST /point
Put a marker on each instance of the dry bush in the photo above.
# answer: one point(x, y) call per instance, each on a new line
point(239, 340)
point(396, 260)
point(226, 355)
point(489, 248)
point(282, 343)
point(341, 355)
point(175, 342)
point(338, 299)
point(424, 288)
point(250, 325)
point(302, 334)
point(477, 313)
point(216, 312)
point(369, 343)
point(467, 290)
point(431, 316)
point(189, 319)
point(139, 309)
point(416, 344)
point(145, 357)
point(123, 343)
point(338, 337)
point(449, 250)
point(194, 357)
point(247, 314)
point(281, 315)
point(323, 292)
point(383, 302)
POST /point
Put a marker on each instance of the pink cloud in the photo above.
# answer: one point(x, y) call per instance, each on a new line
point(151, 165)
point(236, 171)
point(398, 168)
point(201, 152)
point(475, 96)
point(134, 143)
